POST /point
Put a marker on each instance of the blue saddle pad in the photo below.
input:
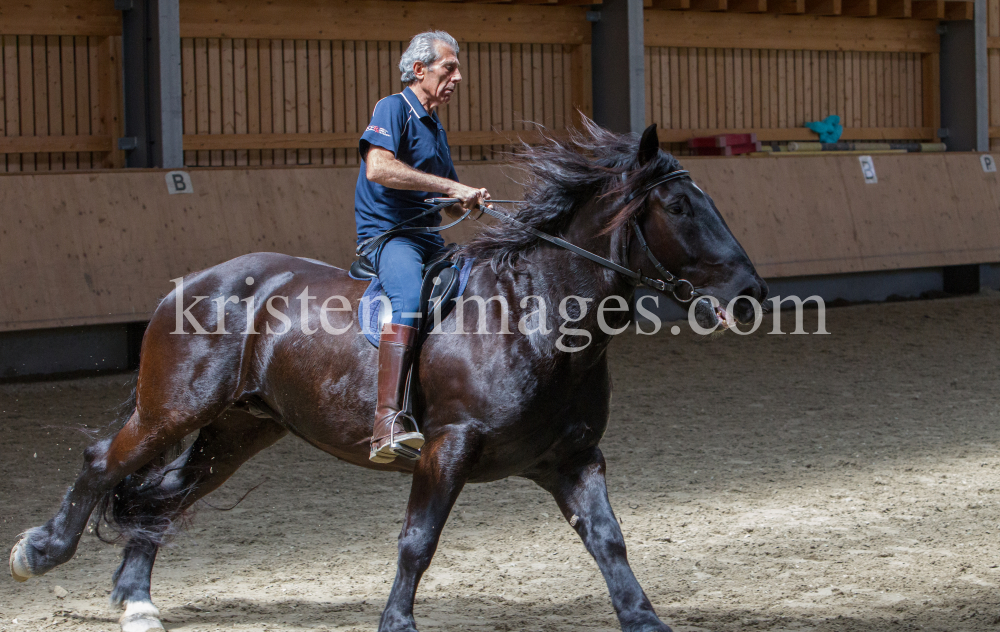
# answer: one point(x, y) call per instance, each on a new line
point(369, 309)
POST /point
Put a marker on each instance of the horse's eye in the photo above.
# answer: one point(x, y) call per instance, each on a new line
point(675, 209)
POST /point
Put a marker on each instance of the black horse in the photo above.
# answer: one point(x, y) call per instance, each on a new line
point(532, 404)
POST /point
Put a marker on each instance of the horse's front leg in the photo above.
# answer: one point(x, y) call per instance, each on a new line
point(579, 488)
point(440, 474)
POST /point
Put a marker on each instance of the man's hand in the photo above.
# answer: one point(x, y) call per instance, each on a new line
point(468, 197)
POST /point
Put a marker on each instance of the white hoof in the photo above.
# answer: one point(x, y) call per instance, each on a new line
point(18, 563)
point(140, 616)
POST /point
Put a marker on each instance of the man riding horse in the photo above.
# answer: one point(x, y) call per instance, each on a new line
point(405, 160)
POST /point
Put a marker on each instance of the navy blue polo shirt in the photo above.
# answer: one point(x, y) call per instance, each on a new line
point(401, 125)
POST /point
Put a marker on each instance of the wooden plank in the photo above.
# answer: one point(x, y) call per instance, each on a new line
point(215, 94)
point(709, 5)
point(959, 10)
point(895, 8)
point(110, 97)
point(188, 98)
point(201, 94)
point(802, 133)
point(278, 94)
point(12, 113)
point(266, 95)
point(993, 42)
point(392, 20)
point(26, 82)
point(302, 102)
point(558, 104)
point(788, 32)
point(517, 84)
point(537, 90)
point(3, 107)
point(548, 90)
point(254, 96)
point(350, 98)
point(464, 100)
point(860, 8)
point(652, 71)
point(325, 97)
point(240, 94)
point(747, 6)
point(475, 94)
point(54, 144)
point(928, 9)
point(227, 101)
point(931, 80)
point(823, 7)
point(339, 99)
point(67, 64)
point(788, 6)
point(95, 83)
point(82, 55)
point(289, 102)
point(712, 85)
point(61, 17)
point(221, 142)
point(508, 87)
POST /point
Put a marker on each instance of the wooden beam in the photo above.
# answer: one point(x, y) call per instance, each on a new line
point(931, 80)
point(786, 32)
point(748, 6)
point(895, 8)
point(672, 4)
point(995, 132)
point(993, 43)
point(802, 133)
point(824, 7)
point(45, 144)
point(788, 6)
point(60, 17)
point(959, 10)
point(389, 19)
point(860, 8)
point(709, 5)
point(346, 140)
point(928, 9)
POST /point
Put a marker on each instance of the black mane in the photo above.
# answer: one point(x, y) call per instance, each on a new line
point(560, 178)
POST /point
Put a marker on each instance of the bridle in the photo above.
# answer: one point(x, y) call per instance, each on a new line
point(681, 289)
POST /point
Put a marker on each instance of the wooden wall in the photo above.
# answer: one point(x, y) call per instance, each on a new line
point(93, 248)
point(60, 92)
point(262, 101)
point(769, 74)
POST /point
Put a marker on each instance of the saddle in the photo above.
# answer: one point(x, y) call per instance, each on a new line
point(444, 279)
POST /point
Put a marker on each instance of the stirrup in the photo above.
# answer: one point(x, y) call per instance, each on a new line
point(406, 444)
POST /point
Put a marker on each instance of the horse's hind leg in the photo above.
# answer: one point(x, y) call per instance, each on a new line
point(167, 410)
point(582, 494)
point(144, 509)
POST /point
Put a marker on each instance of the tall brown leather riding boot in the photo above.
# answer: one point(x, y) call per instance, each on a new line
point(395, 352)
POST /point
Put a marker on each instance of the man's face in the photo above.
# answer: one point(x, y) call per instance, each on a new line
point(440, 79)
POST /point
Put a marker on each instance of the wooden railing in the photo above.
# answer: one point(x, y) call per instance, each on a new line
point(711, 74)
point(60, 93)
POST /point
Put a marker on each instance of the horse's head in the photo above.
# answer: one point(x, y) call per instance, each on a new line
point(691, 240)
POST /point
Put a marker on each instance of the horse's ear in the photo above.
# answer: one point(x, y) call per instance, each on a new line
point(649, 145)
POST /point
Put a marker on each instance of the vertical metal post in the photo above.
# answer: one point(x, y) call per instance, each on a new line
point(151, 62)
point(618, 66)
point(964, 76)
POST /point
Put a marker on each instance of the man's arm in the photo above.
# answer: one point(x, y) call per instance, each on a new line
point(383, 168)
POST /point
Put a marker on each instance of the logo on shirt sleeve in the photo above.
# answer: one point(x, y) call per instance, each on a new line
point(379, 130)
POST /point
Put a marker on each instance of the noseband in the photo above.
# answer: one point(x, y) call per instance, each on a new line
point(681, 289)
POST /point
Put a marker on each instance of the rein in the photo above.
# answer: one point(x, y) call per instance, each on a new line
point(681, 289)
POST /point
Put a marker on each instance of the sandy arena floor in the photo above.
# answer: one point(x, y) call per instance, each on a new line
point(835, 483)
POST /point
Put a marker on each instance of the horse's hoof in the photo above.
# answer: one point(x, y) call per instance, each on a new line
point(140, 616)
point(19, 563)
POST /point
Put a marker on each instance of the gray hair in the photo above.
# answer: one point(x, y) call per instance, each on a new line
point(422, 48)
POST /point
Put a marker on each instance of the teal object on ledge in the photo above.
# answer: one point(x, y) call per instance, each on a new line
point(829, 129)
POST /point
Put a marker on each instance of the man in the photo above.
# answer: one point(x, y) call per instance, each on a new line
point(405, 160)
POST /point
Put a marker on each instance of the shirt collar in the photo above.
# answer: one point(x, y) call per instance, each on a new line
point(414, 102)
